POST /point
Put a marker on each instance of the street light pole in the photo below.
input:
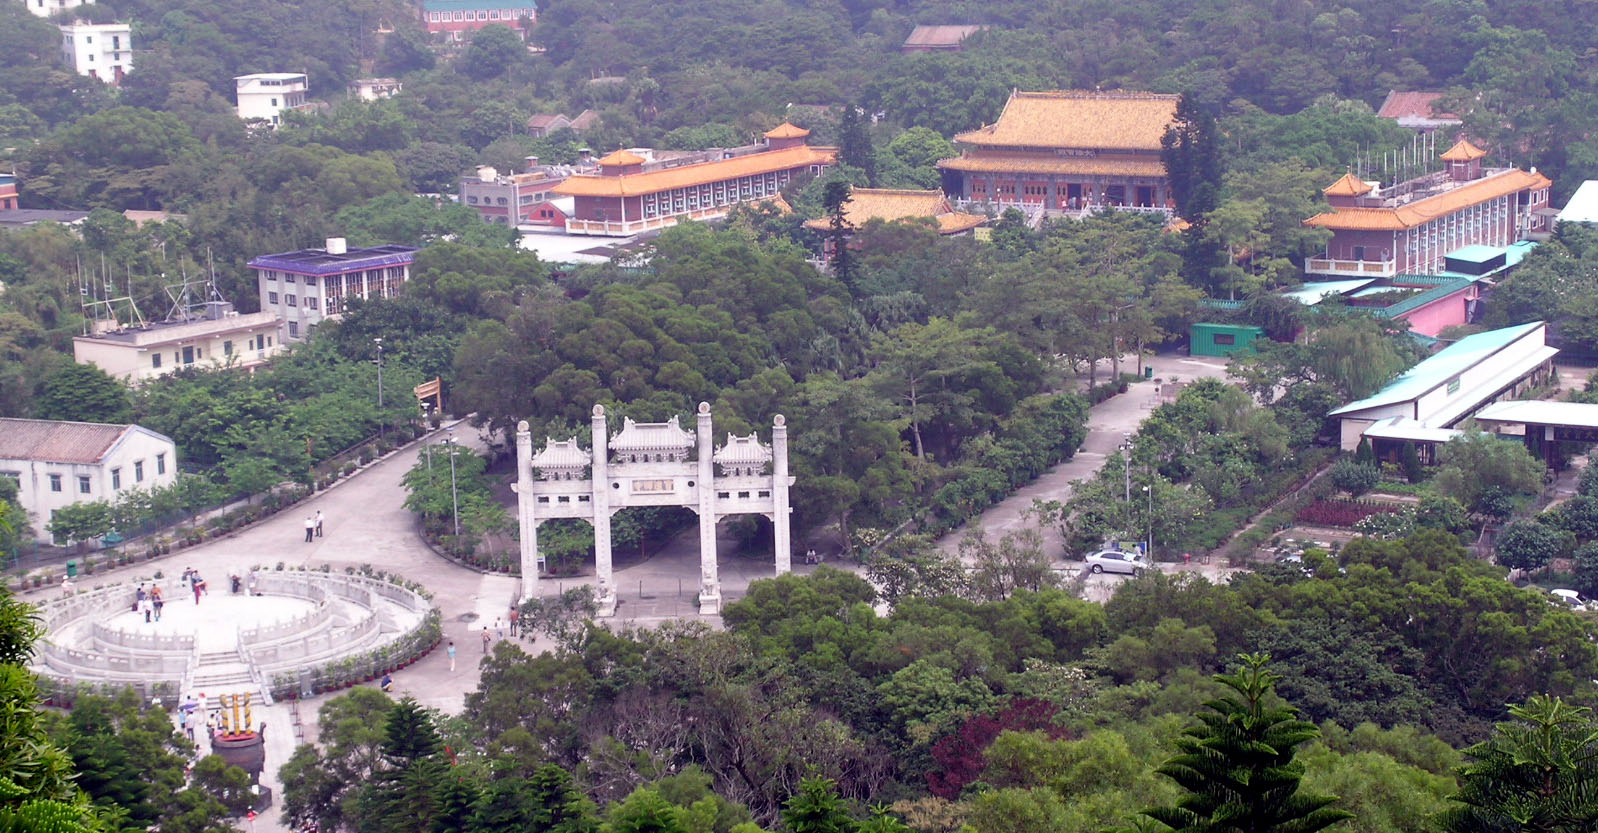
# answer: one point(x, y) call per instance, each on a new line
point(380, 425)
point(1126, 457)
point(454, 496)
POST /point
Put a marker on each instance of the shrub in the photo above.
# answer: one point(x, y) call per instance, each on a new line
point(1341, 513)
point(1531, 544)
point(1354, 477)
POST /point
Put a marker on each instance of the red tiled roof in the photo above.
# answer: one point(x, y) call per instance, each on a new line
point(1413, 104)
point(947, 37)
point(56, 441)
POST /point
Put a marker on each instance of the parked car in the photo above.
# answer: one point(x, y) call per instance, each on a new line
point(1117, 561)
point(1573, 600)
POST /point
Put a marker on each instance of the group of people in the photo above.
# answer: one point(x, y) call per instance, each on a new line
point(191, 577)
point(149, 602)
point(313, 526)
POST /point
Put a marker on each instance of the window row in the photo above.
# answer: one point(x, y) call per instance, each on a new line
point(478, 14)
point(714, 195)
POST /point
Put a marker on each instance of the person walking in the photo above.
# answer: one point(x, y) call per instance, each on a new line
point(318, 523)
point(146, 608)
point(66, 586)
point(450, 649)
point(310, 528)
point(487, 638)
point(184, 725)
point(499, 629)
point(515, 617)
point(157, 600)
point(253, 582)
point(197, 585)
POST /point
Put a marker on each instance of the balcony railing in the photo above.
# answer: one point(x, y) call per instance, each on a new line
point(1082, 210)
point(617, 228)
point(1351, 268)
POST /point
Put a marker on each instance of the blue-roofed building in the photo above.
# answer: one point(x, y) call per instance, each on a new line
point(1425, 403)
point(307, 286)
point(455, 18)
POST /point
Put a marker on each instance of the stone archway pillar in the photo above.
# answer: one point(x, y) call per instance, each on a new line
point(525, 503)
point(605, 593)
point(709, 579)
point(779, 494)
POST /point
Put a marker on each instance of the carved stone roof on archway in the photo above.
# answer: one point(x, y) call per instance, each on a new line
point(743, 451)
point(652, 436)
point(561, 454)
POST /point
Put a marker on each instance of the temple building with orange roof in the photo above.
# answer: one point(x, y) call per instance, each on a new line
point(1410, 227)
point(894, 204)
point(639, 190)
point(1067, 151)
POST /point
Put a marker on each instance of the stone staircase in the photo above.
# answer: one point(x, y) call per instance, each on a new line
point(222, 672)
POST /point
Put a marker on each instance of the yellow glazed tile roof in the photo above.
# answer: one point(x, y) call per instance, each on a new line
point(890, 204)
point(622, 157)
point(1462, 151)
point(703, 173)
point(1423, 211)
point(988, 162)
point(787, 131)
point(1347, 185)
point(1079, 119)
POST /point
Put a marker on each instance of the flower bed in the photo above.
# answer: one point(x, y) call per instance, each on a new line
point(1341, 513)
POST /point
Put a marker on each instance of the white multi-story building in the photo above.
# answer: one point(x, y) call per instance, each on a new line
point(57, 464)
point(304, 287)
point(98, 50)
point(264, 96)
point(374, 89)
point(218, 337)
point(45, 8)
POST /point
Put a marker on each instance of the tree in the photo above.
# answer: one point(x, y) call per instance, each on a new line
point(854, 143)
point(1354, 478)
point(999, 570)
point(1191, 152)
point(1476, 468)
point(564, 618)
point(816, 808)
point(835, 195)
point(493, 50)
point(1534, 775)
point(1238, 769)
point(84, 393)
point(1530, 545)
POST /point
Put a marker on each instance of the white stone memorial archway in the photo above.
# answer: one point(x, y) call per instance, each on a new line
point(648, 464)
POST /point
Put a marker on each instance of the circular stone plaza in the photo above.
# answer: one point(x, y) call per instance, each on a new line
point(260, 636)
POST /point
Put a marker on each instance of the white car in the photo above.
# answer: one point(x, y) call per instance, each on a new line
point(1573, 600)
point(1117, 561)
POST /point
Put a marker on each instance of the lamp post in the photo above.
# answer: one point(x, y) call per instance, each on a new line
point(1126, 457)
point(379, 343)
point(1150, 489)
point(427, 407)
point(454, 496)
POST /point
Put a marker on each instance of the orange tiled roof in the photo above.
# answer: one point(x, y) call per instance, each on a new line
point(622, 157)
point(787, 131)
point(1425, 210)
point(703, 173)
point(1462, 151)
point(891, 204)
point(1079, 119)
point(1347, 185)
point(988, 162)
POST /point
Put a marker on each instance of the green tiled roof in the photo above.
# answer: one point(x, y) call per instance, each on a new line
point(1419, 300)
point(1434, 371)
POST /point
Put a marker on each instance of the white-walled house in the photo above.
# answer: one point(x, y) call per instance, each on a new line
point(98, 50)
point(265, 95)
point(45, 8)
point(57, 464)
point(218, 337)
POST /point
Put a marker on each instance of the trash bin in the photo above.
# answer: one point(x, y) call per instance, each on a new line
point(72, 568)
point(1148, 371)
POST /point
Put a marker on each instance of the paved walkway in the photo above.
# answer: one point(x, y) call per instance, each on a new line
point(1108, 424)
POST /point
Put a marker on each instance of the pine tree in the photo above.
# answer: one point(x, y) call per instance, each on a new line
point(1191, 152)
point(410, 733)
point(1534, 775)
point(1238, 766)
point(452, 802)
point(834, 196)
point(1363, 454)
point(816, 808)
point(1414, 472)
point(854, 143)
point(560, 807)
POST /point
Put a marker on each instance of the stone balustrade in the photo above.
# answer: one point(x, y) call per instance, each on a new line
point(315, 619)
point(107, 636)
point(167, 665)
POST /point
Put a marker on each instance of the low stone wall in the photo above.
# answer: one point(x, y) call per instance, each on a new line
point(277, 656)
point(312, 620)
point(70, 660)
point(107, 636)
